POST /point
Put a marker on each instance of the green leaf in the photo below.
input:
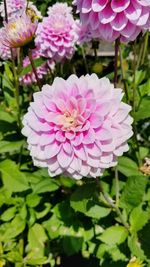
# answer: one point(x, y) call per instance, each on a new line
point(144, 111)
point(13, 179)
point(138, 218)
point(133, 191)
point(14, 228)
point(114, 235)
point(52, 226)
point(36, 239)
point(139, 76)
point(14, 256)
point(145, 88)
point(7, 127)
point(45, 185)
point(81, 200)
point(72, 245)
point(5, 116)
point(33, 200)
point(135, 247)
point(44, 212)
point(8, 214)
point(127, 167)
point(8, 147)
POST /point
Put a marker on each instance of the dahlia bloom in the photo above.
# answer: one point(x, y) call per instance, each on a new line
point(111, 19)
point(19, 31)
point(42, 70)
point(56, 35)
point(60, 8)
point(77, 126)
point(84, 35)
point(16, 6)
point(5, 52)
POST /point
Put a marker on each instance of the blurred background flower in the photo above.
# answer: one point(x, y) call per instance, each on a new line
point(41, 71)
point(56, 34)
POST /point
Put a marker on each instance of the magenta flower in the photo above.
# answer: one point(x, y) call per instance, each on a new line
point(42, 70)
point(56, 35)
point(110, 19)
point(77, 126)
point(19, 31)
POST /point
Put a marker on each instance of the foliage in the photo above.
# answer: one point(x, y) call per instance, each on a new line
point(44, 221)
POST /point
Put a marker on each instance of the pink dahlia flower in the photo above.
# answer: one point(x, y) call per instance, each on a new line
point(110, 19)
point(60, 8)
point(42, 70)
point(77, 126)
point(19, 31)
point(83, 32)
point(15, 6)
point(56, 35)
point(5, 52)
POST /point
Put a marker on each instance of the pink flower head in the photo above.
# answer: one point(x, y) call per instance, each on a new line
point(60, 8)
point(83, 32)
point(111, 19)
point(17, 6)
point(5, 52)
point(77, 126)
point(42, 70)
point(19, 31)
point(56, 35)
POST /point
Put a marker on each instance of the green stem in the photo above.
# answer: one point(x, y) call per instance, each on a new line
point(84, 59)
point(34, 68)
point(134, 102)
point(123, 75)
point(112, 205)
point(145, 49)
point(16, 84)
point(117, 43)
point(117, 188)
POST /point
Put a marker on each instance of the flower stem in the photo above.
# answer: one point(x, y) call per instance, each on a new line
point(34, 68)
point(111, 203)
point(123, 75)
point(84, 59)
point(5, 8)
point(16, 83)
point(134, 102)
point(145, 48)
point(117, 43)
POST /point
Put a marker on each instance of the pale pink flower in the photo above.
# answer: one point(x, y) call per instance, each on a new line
point(42, 70)
point(56, 35)
point(17, 6)
point(5, 52)
point(77, 126)
point(111, 19)
point(19, 31)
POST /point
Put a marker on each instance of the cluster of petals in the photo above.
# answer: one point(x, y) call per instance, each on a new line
point(112, 19)
point(83, 33)
point(56, 35)
point(17, 6)
point(19, 31)
point(77, 126)
point(42, 70)
point(5, 52)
